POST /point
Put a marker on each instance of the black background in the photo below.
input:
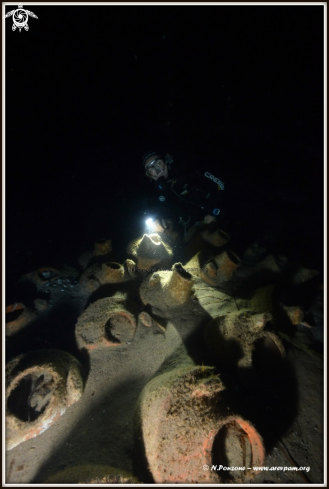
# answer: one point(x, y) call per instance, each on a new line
point(89, 89)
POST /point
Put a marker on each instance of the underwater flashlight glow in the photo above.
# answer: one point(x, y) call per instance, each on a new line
point(149, 221)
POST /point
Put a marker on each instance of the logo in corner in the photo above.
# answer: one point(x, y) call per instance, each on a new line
point(20, 17)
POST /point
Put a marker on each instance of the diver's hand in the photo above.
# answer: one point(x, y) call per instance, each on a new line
point(167, 224)
point(208, 218)
point(157, 227)
point(161, 225)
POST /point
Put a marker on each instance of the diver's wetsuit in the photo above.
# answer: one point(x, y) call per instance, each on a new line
point(187, 192)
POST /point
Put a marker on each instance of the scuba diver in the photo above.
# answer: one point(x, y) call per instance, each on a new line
point(182, 193)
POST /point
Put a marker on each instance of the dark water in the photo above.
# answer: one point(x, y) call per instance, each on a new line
point(89, 90)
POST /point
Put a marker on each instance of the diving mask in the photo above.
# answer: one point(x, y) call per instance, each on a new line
point(155, 167)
